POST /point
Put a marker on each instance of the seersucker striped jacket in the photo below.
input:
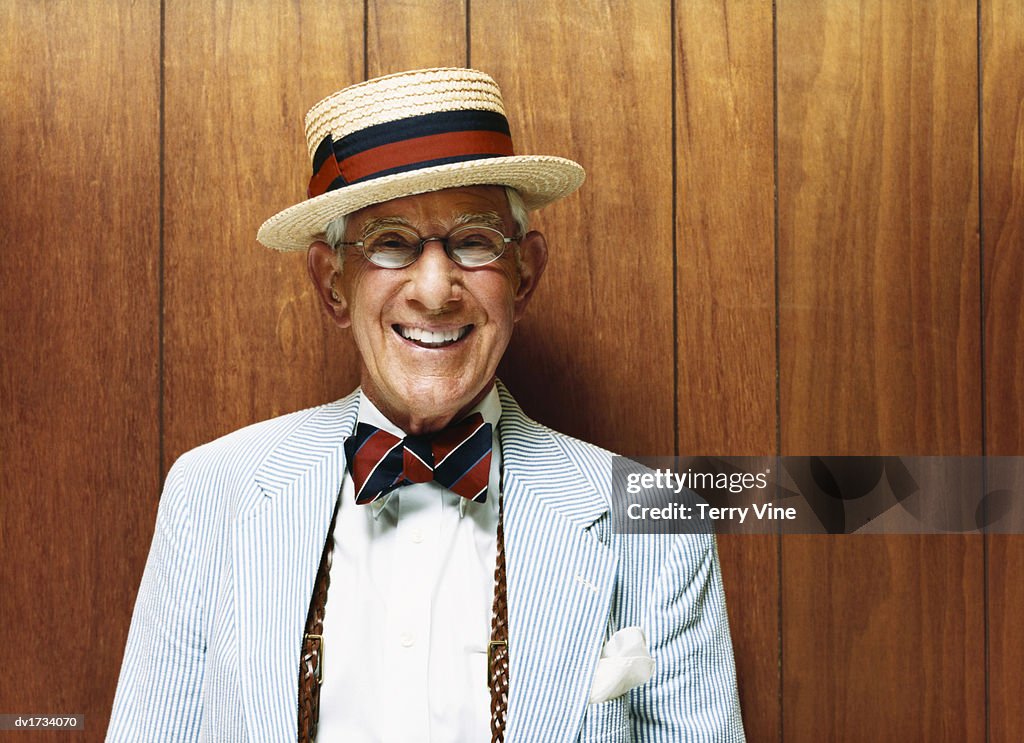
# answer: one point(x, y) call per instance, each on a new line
point(213, 650)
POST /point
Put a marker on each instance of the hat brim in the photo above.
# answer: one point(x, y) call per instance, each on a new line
point(539, 179)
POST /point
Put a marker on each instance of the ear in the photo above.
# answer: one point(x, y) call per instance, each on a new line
point(533, 253)
point(322, 264)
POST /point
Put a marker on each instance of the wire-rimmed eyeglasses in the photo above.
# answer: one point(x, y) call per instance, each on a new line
point(470, 246)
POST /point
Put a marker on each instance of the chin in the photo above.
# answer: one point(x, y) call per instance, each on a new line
point(439, 396)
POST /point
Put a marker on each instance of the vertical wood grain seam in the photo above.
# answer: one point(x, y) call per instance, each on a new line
point(366, 39)
point(675, 229)
point(675, 233)
point(981, 345)
point(778, 354)
point(468, 45)
point(160, 387)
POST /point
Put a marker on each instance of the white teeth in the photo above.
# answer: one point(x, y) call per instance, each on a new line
point(432, 337)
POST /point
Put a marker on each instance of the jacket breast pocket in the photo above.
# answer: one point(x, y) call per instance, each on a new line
point(607, 722)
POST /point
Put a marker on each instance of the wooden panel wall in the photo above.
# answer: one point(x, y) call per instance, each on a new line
point(243, 339)
point(802, 232)
point(880, 354)
point(725, 295)
point(591, 331)
point(1002, 224)
point(79, 319)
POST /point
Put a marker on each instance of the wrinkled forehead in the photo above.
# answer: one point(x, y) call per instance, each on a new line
point(437, 210)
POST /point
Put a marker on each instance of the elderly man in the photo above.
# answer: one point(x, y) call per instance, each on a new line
point(419, 561)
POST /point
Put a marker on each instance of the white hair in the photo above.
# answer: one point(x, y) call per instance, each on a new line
point(334, 232)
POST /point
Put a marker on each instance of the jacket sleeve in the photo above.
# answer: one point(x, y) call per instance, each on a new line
point(692, 695)
point(159, 690)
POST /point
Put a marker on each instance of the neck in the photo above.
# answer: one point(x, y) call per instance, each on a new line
point(417, 422)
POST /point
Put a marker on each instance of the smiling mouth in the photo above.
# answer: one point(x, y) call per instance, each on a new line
point(432, 338)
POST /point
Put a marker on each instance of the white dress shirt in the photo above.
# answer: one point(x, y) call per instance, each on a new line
point(408, 613)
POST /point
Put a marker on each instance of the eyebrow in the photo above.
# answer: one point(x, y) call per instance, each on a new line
point(487, 219)
point(382, 223)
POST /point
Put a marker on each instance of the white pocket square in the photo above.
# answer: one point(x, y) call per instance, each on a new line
point(624, 664)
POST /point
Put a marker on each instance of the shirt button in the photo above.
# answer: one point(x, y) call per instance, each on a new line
point(406, 639)
point(416, 536)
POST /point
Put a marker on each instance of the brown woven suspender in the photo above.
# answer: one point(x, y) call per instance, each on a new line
point(497, 648)
point(311, 664)
point(312, 661)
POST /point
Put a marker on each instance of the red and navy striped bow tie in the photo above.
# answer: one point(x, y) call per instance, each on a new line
point(457, 457)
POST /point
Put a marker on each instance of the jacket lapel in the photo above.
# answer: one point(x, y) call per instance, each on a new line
point(276, 546)
point(560, 576)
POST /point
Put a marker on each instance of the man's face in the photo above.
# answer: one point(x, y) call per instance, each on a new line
point(431, 334)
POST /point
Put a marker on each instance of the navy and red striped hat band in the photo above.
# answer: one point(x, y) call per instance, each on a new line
point(408, 144)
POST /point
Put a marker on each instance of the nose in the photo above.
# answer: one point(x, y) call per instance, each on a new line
point(434, 280)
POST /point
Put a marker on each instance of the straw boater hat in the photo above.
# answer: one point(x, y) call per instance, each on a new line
point(410, 133)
